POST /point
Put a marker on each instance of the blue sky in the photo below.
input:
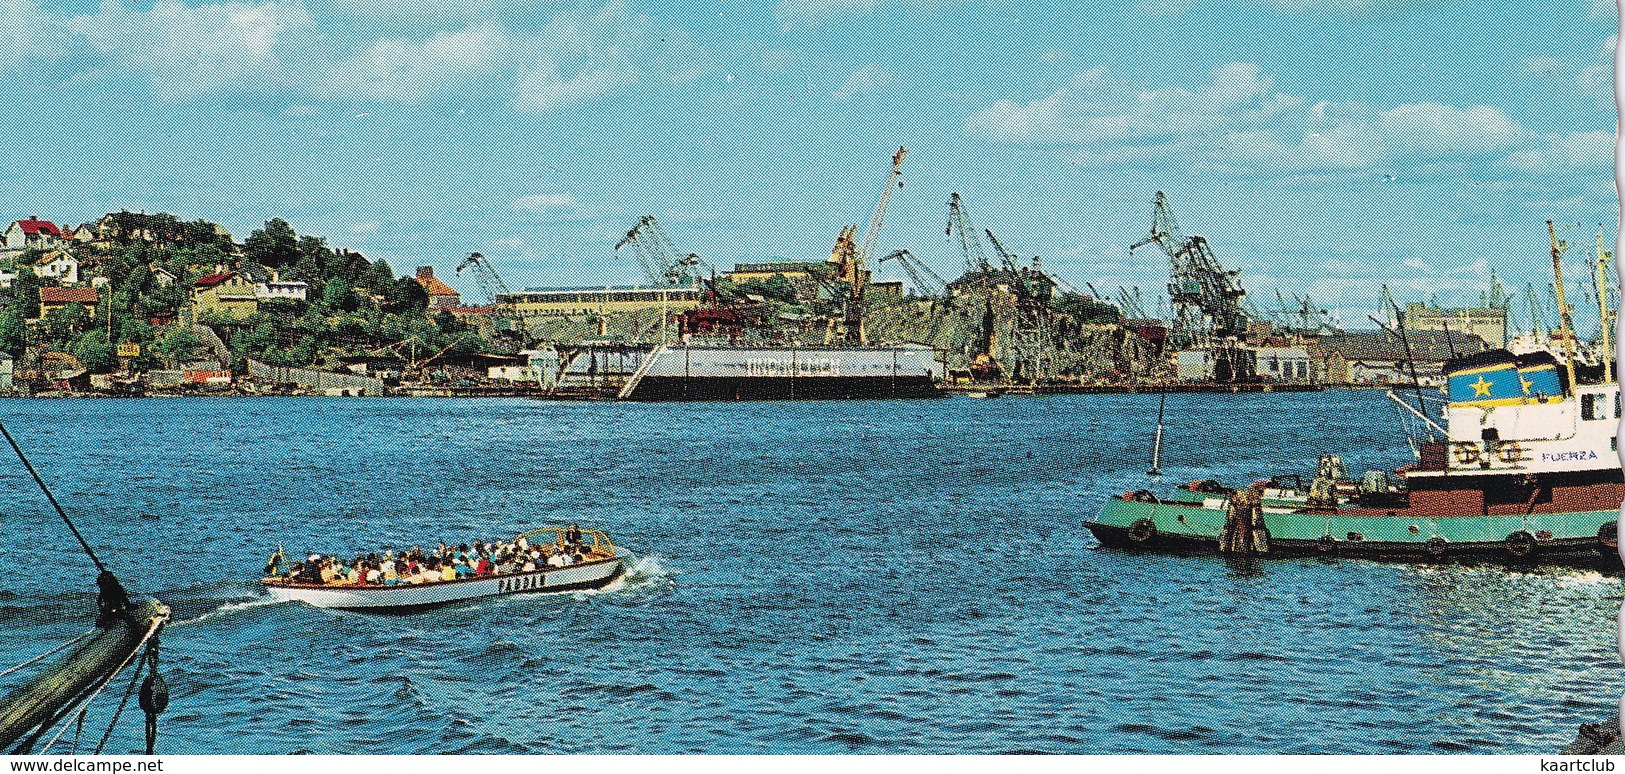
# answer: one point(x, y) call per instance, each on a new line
point(1321, 145)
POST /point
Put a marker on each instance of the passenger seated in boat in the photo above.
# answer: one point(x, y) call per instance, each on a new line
point(448, 572)
point(374, 575)
point(484, 567)
point(572, 536)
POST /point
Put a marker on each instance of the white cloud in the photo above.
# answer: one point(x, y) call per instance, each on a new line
point(1093, 108)
point(185, 51)
point(1238, 120)
point(275, 46)
point(1575, 150)
point(866, 80)
point(541, 202)
point(410, 71)
point(27, 32)
point(1604, 8)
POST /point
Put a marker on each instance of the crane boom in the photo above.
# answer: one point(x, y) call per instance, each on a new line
point(1207, 300)
point(924, 279)
point(485, 276)
point(970, 243)
point(853, 258)
point(659, 257)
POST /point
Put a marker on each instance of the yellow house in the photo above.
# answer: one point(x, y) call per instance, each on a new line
point(227, 292)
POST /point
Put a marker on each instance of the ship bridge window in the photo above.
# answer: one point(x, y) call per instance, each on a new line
point(1591, 407)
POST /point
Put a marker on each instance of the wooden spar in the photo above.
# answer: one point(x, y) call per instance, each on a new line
point(34, 707)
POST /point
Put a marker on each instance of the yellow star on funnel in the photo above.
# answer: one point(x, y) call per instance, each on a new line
point(1481, 387)
point(1526, 384)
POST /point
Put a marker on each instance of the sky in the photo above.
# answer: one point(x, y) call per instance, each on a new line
point(1322, 146)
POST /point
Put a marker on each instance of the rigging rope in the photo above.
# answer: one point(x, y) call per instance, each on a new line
point(47, 654)
point(122, 703)
point(49, 496)
point(150, 631)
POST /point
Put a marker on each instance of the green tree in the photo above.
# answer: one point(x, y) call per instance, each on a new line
point(275, 246)
point(95, 353)
point(25, 292)
point(405, 295)
point(178, 344)
point(13, 332)
point(338, 297)
point(64, 323)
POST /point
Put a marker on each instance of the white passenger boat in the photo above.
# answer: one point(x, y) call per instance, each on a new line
point(602, 563)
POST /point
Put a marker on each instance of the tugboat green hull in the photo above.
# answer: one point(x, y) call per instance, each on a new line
point(1175, 525)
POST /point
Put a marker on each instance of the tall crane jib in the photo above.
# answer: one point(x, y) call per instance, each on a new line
point(926, 282)
point(496, 293)
point(659, 258)
point(970, 241)
point(852, 258)
point(1207, 299)
point(485, 276)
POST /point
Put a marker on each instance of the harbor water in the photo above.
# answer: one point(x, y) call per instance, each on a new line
point(817, 577)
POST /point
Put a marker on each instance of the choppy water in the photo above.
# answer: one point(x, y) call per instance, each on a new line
point(868, 577)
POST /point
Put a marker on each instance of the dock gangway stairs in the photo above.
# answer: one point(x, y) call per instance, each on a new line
point(642, 370)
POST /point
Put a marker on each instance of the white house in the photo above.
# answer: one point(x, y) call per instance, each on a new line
point(276, 287)
point(59, 265)
point(1284, 364)
point(34, 232)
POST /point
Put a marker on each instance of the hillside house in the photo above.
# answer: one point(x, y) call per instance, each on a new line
point(441, 295)
point(59, 265)
point(276, 287)
point(226, 292)
point(33, 232)
point(56, 298)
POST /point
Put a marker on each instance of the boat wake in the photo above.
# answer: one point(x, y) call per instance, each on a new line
point(643, 574)
point(228, 608)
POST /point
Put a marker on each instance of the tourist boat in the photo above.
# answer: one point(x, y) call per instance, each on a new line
point(1526, 468)
point(602, 563)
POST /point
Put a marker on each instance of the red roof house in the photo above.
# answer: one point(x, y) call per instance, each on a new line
point(32, 232)
point(56, 298)
point(441, 295)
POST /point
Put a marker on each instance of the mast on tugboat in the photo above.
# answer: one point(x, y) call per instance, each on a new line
point(1564, 314)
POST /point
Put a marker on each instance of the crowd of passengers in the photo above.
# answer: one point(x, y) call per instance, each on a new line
point(448, 563)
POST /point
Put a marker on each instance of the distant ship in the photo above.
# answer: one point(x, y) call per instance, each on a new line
point(687, 372)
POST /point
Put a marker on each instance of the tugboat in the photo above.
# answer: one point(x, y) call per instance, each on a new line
point(600, 563)
point(1526, 467)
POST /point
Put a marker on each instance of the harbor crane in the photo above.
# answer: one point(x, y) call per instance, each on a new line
point(970, 242)
point(659, 258)
point(925, 280)
point(851, 257)
point(1131, 304)
point(490, 283)
point(1032, 291)
point(1206, 298)
point(504, 318)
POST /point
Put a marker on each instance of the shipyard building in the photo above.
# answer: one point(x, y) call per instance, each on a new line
point(608, 299)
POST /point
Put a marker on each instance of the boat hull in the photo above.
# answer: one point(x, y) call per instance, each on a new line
point(1193, 526)
point(420, 596)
